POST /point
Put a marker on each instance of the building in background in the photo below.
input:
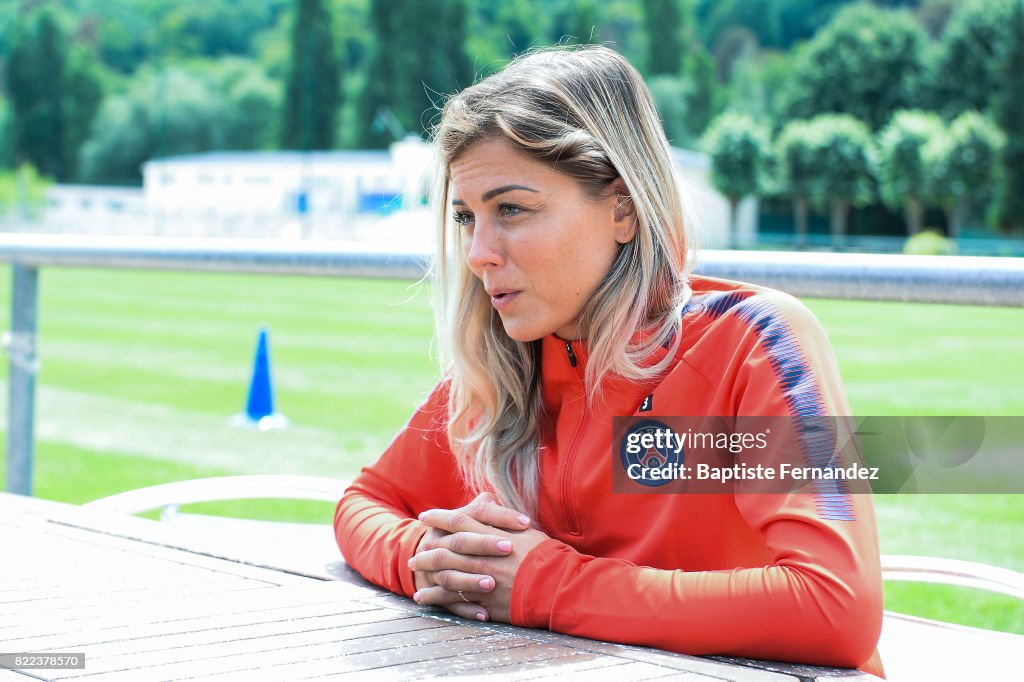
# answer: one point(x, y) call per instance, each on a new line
point(366, 196)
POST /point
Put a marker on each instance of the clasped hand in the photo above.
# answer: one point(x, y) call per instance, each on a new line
point(476, 549)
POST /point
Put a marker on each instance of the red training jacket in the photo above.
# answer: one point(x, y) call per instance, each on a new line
point(775, 576)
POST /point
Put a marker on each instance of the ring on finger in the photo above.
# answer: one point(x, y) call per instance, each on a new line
point(464, 598)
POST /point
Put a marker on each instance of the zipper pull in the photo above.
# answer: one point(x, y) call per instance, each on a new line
point(572, 356)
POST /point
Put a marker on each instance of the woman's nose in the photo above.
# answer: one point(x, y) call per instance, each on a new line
point(483, 250)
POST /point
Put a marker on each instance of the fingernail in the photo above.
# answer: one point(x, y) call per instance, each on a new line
point(485, 584)
point(420, 515)
point(481, 616)
point(525, 520)
point(505, 545)
point(416, 596)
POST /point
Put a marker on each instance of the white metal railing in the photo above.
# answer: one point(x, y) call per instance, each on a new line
point(932, 279)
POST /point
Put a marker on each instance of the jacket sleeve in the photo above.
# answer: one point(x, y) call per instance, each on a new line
point(375, 521)
point(817, 601)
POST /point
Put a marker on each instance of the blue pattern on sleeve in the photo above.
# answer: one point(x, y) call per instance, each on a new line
point(799, 388)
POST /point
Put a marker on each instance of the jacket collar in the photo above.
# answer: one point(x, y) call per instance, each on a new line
point(558, 375)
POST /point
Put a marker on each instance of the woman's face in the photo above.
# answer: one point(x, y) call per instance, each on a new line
point(539, 244)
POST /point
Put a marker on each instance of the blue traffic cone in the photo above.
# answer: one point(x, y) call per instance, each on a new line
point(259, 407)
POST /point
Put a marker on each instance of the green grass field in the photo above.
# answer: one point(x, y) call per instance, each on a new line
point(141, 372)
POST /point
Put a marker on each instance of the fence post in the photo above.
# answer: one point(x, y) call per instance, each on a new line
point(21, 377)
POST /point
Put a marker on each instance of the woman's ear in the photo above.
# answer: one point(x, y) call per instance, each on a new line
point(624, 212)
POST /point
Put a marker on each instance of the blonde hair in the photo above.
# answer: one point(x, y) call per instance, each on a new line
point(587, 112)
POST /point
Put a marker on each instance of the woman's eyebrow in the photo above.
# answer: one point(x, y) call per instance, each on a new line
point(491, 193)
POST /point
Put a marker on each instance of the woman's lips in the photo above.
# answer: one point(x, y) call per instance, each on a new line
point(503, 299)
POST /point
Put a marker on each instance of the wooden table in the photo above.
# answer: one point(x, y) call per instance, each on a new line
point(145, 601)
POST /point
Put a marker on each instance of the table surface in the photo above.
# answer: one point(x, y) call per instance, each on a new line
point(145, 600)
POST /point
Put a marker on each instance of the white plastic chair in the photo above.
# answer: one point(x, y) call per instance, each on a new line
point(170, 496)
point(914, 648)
point(311, 544)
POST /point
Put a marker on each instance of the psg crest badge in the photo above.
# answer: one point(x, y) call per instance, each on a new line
point(644, 449)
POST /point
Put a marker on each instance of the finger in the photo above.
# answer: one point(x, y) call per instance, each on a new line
point(469, 611)
point(440, 559)
point(453, 520)
point(488, 510)
point(460, 604)
point(476, 517)
point(475, 543)
point(469, 583)
point(432, 539)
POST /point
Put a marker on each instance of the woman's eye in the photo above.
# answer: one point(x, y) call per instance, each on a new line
point(508, 210)
point(462, 217)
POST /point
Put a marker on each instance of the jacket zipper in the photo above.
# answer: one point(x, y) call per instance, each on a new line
point(572, 356)
point(568, 498)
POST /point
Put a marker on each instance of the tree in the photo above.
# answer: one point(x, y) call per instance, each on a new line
point(6, 135)
point(83, 94)
point(665, 51)
point(670, 95)
point(798, 167)
point(845, 167)
point(867, 63)
point(904, 174)
point(122, 140)
point(313, 90)
point(455, 66)
point(778, 24)
point(351, 35)
point(55, 93)
point(622, 26)
point(1010, 116)
point(127, 34)
point(934, 15)
point(213, 28)
point(966, 70)
point(35, 75)
point(735, 45)
point(700, 106)
point(574, 22)
point(746, 92)
point(686, 94)
point(377, 101)
point(252, 111)
point(964, 167)
point(499, 31)
point(585, 20)
point(403, 85)
point(164, 112)
point(739, 151)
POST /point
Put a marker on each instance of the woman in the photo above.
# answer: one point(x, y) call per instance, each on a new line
point(566, 300)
